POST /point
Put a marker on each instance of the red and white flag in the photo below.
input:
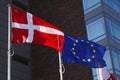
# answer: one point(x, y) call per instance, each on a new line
point(27, 28)
point(104, 74)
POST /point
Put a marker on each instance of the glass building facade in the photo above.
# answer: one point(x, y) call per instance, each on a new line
point(102, 19)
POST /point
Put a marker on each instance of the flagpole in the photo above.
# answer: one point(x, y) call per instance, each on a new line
point(9, 44)
point(99, 74)
point(60, 61)
point(60, 66)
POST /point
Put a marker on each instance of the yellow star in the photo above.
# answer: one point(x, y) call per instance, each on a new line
point(93, 56)
point(83, 60)
point(92, 45)
point(73, 48)
point(94, 51)
point(76, 41)
point(89, 60)
point(74, 53)
point(74, 44)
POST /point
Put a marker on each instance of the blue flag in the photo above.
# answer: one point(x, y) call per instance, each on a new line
point(82, 51)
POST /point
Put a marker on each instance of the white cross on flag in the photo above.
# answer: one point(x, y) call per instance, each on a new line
point(27, 28)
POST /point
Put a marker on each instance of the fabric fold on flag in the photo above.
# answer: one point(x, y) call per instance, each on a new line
point(28, 28)
point(82, 51)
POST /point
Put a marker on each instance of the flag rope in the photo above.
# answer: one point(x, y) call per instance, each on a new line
point(63, 68)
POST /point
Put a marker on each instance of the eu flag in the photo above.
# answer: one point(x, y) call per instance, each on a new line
point(82, 51)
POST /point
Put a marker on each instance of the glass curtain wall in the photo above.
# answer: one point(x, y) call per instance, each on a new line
point(103, 27)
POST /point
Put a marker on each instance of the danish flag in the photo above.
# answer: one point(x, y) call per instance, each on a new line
point(27, 28)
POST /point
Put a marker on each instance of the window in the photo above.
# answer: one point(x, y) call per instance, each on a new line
point(96, 30)
point(94, 74)
point(107, 59)
point(116, 60)
point(114, 4)
point(113, 28)
point(89, 5)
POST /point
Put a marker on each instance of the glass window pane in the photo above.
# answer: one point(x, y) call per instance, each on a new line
point(113, 4)
point(91, 4)
point(109, 24)
point(96, 29)
point(119, 58)
point(94, 71)
point(107, 59)
point(113, 28)
point(117, 72)
point(115, 60)
point(116, 30)
point(95, 78)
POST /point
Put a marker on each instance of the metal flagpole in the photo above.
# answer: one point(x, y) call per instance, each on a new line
point(60, 66)
point(99, 74)
point(9, 44)
point(60, 62)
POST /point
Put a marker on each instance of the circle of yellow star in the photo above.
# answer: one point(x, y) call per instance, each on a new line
point(74, 44)
point(93, 56)
point(94, 51)
point(89, 60)
point(73, 48)
point(76, 41)
point(92, 45)
point(74, 53)
point(83, 60)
